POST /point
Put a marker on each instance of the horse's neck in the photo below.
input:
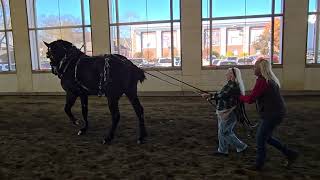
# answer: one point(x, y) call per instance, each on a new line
point(70, 71)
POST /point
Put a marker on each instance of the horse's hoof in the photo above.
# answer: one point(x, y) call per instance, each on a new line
point(81, 132)
point(78, 123)
point(141, 141)
point(105, 141)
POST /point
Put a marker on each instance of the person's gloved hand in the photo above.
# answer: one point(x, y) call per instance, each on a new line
point(207, 96)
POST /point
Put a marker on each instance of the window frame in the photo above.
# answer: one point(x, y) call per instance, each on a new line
point(317, 34)
point(273, 16)
point(118, 24)
point(83, 27)
point(7, 30)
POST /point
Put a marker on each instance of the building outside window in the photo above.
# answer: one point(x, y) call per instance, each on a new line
point(147, 36)
point(245, 29)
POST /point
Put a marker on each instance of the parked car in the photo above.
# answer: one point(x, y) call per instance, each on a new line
point(164, 62)
point(232, 58)
point(216, 62)
point(139, 61)
point(147, 64)
point(45, 64)
point(254, 57)
point(310, 60)
point(4, 67)
point(177, 61)
point(212, 57)
point(227, 63)
point(245, 61)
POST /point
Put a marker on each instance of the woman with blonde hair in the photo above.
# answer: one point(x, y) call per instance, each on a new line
point(271, 108)
point(227, 100)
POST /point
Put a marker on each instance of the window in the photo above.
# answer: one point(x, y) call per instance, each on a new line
point(237, 31)
point(313, 52)
point(50, 20)
point(7, 62)
point(146, 36)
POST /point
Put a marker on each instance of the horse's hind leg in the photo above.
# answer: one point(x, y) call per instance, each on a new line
point(133, 98)
point(84, 108)
point(113, 103)
point(70, 100)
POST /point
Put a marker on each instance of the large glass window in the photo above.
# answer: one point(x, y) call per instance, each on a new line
point(147, 32)
point(7, 62)
point(313, 52)
point(50, 20)
point(236, 32)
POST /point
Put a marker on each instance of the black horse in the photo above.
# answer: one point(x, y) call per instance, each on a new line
point(111, 75)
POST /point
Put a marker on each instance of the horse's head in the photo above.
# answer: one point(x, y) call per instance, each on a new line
point(57, 53)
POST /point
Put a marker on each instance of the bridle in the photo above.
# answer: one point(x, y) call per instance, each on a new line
point(61, 68)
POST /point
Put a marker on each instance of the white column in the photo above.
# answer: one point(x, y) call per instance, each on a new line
point(21, 45)
point(191, 42)
point(100, 26)
point(295, 33)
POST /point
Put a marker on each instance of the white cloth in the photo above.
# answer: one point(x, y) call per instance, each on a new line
point(224, 114)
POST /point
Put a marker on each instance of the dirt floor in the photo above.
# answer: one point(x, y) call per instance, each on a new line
point(38, 142)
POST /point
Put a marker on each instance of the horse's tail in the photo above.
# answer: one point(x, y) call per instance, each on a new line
point(139, 74)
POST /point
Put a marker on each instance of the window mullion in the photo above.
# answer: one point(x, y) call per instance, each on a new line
point(83, 27)
point(36, 32)
point(317, 40)
point(172, 34)
point(210, 33)
point(272, 32)
point(118, 27)
point(316, 56)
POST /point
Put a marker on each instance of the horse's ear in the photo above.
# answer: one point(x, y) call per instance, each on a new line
point(47, 44)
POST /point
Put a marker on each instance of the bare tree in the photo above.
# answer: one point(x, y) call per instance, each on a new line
point(75, 35)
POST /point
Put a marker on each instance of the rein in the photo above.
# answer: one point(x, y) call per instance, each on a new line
point(241, 113)
point(182, 82)
point(60, 75)
point(198, 89)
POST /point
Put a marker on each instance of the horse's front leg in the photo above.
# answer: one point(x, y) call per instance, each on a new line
point(70, 100)
point(84, 108)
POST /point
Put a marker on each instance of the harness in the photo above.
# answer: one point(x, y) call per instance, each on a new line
point(104, 75)
point(104, 79)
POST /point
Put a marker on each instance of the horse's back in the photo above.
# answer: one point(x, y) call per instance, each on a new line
point(117, 70)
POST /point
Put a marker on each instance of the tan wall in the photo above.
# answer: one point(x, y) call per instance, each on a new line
point(293, 74)
point(8, 83)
